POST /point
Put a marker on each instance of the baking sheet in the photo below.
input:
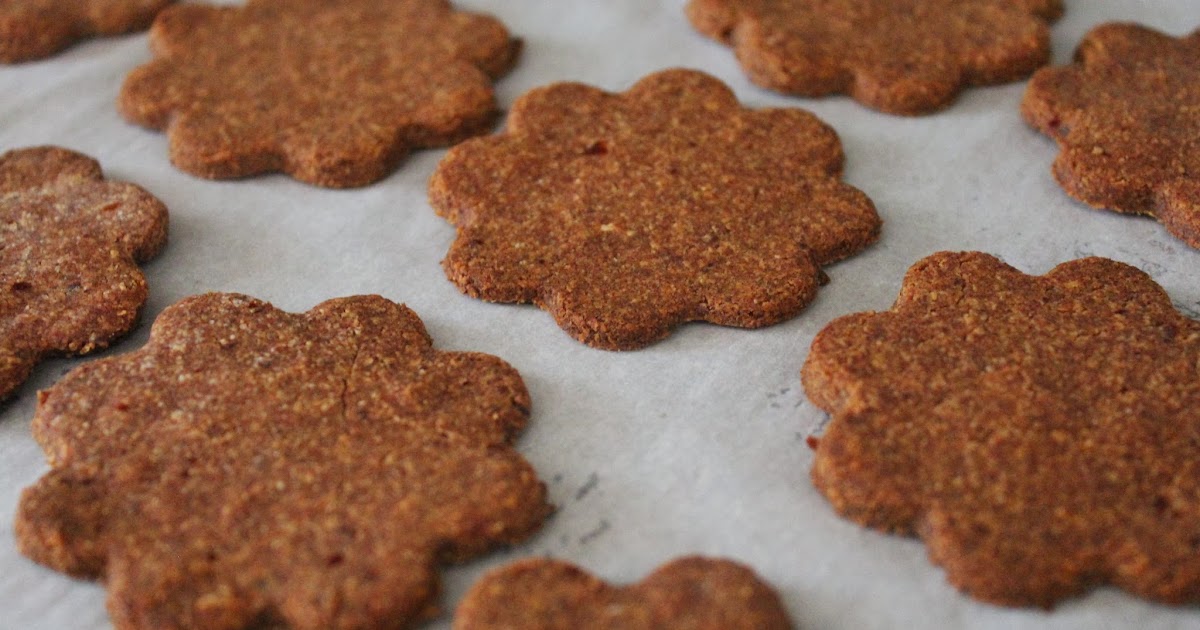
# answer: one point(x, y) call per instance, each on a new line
point(694, 445)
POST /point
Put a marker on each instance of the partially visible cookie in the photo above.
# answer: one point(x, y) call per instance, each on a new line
point(897, 56)
point(624, 215)
point(1039, 433)
point(691, 593)
point(32, 29)
point(255, 468)
point(69, 279)
point(331, 93)
point(1126, 115)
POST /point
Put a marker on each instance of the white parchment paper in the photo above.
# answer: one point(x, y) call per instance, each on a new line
point(694, 445)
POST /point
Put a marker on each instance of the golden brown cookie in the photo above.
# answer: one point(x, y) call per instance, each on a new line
point(31, 29)
point(1040, 433)
point(897, 56)
point(624, 215)
point(331, 93)
point(255, 468)
point(69, 279)
point(1126, 115)
point(691, 593)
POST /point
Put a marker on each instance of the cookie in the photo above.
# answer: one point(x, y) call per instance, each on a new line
point(32, 29)
point(255, 468)
point(69, 279)
point(694, 593)
point(1039, 433)
point(896, 56)
point(331, 93)
point(624, 215)
point(1126, 115)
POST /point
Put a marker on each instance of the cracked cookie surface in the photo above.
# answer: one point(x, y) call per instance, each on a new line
point(896, 56)
point(625, 215)
point(250, 467)
point(72, 241)
point(1039, 433)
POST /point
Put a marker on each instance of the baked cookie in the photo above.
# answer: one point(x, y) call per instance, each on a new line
point(624, 215)
point(1126, 115)
point(331, 93)
point(897, 56)
point(1038, 432)
point(255, 468)
point(32, 29)
point(69, 279)
point(693, 593)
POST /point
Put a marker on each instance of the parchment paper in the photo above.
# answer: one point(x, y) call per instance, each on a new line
point(694, 445)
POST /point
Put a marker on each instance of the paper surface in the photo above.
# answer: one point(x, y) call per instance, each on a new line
point(693, 445)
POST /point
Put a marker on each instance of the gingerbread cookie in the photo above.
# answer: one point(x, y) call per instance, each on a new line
point(624, 215)
point(1038, 432)
point(69, 279)
point(694, 593)
point(331, 93)
point(1126, 115)
point(32, 29)
point(255, 468)
point(897, 56)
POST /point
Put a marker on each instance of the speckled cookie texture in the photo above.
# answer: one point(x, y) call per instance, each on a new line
point(32, 29)
point(897, 56)
point(692, 593)
point(624, 215)
point(69, 279)
point(1126, 115)
point(333, 93)
point(1038, 432)
point(254, 468)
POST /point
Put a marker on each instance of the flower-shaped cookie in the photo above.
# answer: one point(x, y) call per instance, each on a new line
point(624, 215)
point(897, 56)
point(31, 29)
point(332, 93)
point(1126, 115)
point(69, 280)
point(693, 593)
point(1041, 434)
point(255, 468)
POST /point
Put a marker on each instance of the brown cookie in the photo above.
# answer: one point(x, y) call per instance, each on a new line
point(1126, 115)
point(255, 468)
point(691, 593)
point(1038, 432)
point(69, 280)
point(624, 215)
point(331, 93)
point(32, 29)
point(897, 56)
